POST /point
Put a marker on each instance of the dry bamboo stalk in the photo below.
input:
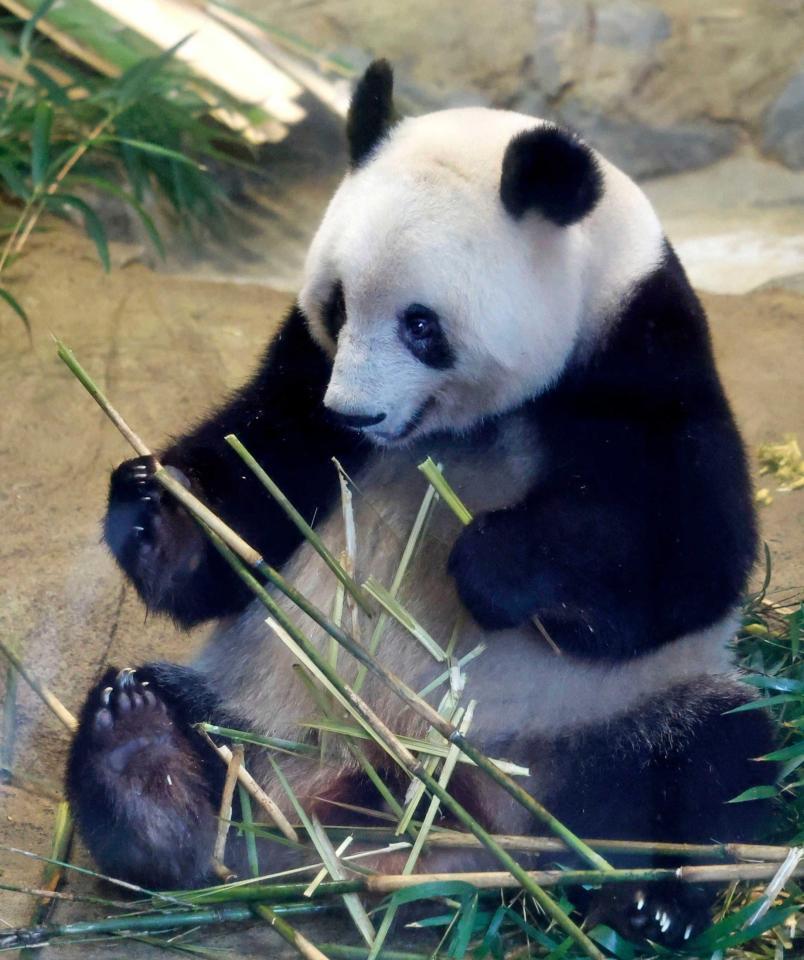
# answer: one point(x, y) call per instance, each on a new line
point(722, 873)
point(716, 851)
point(255, 790)
point(409, 762)
point(786, 870)
point(44, 693)
point(225, 815)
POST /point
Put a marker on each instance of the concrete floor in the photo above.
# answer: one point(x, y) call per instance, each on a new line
point(166, 347)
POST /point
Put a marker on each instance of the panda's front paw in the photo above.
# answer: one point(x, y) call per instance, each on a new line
point(671, 914)
point(153, 539)
point(492, 576)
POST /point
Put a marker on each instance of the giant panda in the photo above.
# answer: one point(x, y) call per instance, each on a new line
point(484, 289)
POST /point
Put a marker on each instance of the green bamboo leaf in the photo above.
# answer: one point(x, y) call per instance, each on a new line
point(765, 702)
point(133, 81)
point(28, 30)
point(755, 793)
point(782, 684)
point(54, 90)
point(786, 753)
point(40, 142)
point(92, 225)
point(101, 183)
point(13, 181)
point(16, 307)
point(153, 148)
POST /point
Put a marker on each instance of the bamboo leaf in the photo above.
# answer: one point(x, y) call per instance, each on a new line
point(40, 142)
point(783, 684)
point(153, 148)
point(134, 81)
point(56, 92)
point(765, 702)
point(92, 224)
point(755, 793)
point(28, 30)
point(786, 753)
point(16, 307)
point(13, 180)
point(100, 183)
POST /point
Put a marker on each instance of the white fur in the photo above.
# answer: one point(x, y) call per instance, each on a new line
point(523, 689)
point(422, 222)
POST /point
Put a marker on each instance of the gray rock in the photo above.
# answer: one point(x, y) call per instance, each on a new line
point(638, 27)
point(784, 124)
point(643, 150)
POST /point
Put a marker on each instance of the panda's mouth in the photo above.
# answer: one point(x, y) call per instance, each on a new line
point(408, 427)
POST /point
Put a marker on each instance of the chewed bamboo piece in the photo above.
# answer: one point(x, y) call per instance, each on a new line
point(255, 790)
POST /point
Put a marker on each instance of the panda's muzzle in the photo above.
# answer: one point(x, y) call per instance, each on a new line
point(354, 421)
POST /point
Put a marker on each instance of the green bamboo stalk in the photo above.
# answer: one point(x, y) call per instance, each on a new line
point(239, 549)
point(355, 749)
point(324, 849)
point(248, 830)
point(300, 523)
point(413, 766)
point(419, 525)
point(289, 934)
point(424, 830)
point(9, 722)
point(392, 607)
point(432, 471)
point(53, 872)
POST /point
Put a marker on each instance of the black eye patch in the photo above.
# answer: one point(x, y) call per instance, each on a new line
point(420, 330)
point(334, 314)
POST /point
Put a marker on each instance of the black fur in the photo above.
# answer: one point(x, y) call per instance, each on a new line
point(421, 331)
point(143, 785)
point(678, 792)
point(280, 418)
point(640, 529)
point(334, 313)
point(644, 498)
point(553, 172)
point(371, 112)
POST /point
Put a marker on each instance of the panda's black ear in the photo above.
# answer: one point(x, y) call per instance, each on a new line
point(553, 172)
point(371, 112)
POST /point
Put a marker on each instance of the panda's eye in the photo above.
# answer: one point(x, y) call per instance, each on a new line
point(420, 330)
point(420, 322)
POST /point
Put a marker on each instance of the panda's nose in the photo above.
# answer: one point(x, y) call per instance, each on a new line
point(355, 420)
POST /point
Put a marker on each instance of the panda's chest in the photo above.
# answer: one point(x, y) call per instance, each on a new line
point(488, 471)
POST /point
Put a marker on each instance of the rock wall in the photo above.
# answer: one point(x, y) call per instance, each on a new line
point(659, 86)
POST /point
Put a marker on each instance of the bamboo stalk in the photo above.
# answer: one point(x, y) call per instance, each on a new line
point(290, 934)
point(147, 923)
point(413, 766)
point(721, 873)
point(300, 523)
point(433, 473)
point(250, 556)
point(256, 791)
point(227, 795)
point(409, 762)
point(45, 694)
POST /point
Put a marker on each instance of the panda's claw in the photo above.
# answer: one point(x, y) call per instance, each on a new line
point(669, 914)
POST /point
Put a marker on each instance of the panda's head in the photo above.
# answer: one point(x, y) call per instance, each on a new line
point(465, 258)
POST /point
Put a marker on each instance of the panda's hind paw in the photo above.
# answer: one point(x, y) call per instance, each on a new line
point(670, 914)
point(128, 718)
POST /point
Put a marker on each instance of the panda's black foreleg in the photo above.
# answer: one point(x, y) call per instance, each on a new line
point(142, 783)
